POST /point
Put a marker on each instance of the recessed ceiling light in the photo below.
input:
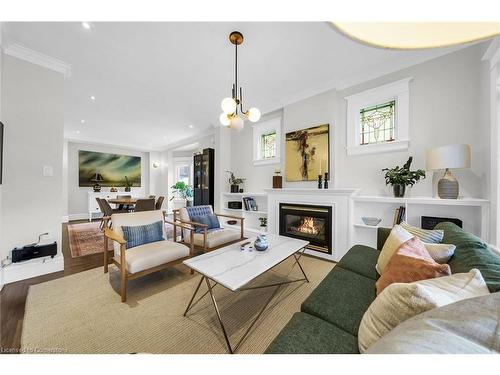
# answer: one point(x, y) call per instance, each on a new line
point(82, 121)
point(86, 25)
point(92, 97)
point(78, 132)
point(190, 126)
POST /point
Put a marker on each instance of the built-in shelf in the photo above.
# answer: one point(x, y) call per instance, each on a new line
point(361, 225)
point(421, 200)
point(244, 194)
point(247, 211)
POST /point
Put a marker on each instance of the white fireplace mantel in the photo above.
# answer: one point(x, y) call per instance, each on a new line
point(337, 198)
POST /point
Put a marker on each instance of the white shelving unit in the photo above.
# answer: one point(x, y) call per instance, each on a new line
point(252, 223)
point(473, 212)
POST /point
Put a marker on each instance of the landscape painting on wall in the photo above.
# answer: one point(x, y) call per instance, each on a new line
point(307, 153)
point(112, 167)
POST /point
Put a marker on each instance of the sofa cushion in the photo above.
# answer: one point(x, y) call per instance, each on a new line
point(341, 299)
point(306, 334)
point(472, 252)
point(361, 259)
point(142, 234)
point(397, 237)
point(216, 237)
point(464, 327)
point(152, 254)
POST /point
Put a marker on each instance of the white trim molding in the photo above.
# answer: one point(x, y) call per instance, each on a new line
point(32, 268)
point(398, 91)
point(38, 58)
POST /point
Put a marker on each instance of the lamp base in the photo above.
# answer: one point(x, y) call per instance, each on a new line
point(448, 186)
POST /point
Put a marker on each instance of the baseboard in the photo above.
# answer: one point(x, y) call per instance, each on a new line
point(32, 268)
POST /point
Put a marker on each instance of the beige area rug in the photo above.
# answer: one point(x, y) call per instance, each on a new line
point(82, 313)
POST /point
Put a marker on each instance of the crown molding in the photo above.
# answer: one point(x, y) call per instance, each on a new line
point(38, 58)
point(492, 54)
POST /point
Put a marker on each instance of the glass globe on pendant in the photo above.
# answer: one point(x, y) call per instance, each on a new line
point(224, 119)
point(253, 114)
point(236, 123)
point(228, 105)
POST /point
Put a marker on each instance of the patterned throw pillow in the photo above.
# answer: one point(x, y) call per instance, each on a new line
point(210, 220)
point(426, 235)
point(412, 262)
point(143, 234)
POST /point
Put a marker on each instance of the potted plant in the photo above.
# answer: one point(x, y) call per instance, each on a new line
point(128, 184)
point(234, 182)
point(399, 178)
point(182, 192)
point(263, 223)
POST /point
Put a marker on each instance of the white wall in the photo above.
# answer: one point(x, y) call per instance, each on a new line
point(445, 96)
point(32, 111)
point(78, 196)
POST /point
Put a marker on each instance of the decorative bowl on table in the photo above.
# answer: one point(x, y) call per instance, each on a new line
point(372, 221)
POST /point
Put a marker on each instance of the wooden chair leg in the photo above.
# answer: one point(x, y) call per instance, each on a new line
point(123, 274)
point(105, 254)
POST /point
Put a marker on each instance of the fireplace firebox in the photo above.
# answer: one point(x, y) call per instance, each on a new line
point(307, 222)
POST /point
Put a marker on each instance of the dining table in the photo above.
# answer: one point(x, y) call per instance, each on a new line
point(124, 201)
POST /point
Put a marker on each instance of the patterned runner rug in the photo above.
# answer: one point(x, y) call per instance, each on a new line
point(86, 239)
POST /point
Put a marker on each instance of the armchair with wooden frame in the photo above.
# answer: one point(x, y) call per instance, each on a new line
point(144, 259)
point(206, 239)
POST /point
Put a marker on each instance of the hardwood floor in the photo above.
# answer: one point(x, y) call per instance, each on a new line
point(13, 296)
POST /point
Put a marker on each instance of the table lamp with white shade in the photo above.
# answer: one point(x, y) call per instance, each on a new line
point(448, 157)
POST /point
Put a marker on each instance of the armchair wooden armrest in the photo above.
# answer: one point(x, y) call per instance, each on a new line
point(180, 224)
point(112, 235)
point(194, 223)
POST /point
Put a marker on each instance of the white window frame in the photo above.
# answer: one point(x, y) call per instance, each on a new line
point(398, 91)
point(183, 161)
point(260, 129)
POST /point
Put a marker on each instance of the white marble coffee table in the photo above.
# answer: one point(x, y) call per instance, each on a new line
point(234, 269)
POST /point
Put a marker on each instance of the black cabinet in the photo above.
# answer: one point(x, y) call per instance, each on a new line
point(203, 179)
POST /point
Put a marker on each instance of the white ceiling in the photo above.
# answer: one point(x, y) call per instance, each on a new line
point(152, 80)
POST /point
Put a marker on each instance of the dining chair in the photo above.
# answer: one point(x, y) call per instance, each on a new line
point(101, 225)
point(159, 202)
point(108, 210)
point(152, 197)
point(145, 205)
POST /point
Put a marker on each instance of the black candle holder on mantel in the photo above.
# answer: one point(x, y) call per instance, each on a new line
point(320, 182)
point(325, 183)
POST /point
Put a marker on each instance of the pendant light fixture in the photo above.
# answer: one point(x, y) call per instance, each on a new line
point(233, 114)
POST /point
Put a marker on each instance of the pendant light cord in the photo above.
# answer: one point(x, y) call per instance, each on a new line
point(236, 75)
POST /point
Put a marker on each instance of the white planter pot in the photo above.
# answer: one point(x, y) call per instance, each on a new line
point(179, 203)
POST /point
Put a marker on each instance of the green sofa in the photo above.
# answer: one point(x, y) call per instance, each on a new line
point(330, 317)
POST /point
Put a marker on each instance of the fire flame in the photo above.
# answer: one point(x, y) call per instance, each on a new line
point(308, 226)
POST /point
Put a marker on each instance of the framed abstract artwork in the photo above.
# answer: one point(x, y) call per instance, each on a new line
point(112, 168)
point(307, 153)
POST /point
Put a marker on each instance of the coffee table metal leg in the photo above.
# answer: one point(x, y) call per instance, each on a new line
point(194, 295)
point(219, 317)
point(297, 261)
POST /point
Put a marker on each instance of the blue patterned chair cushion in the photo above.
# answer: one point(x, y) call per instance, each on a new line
point(210, 220)
point(143, 234)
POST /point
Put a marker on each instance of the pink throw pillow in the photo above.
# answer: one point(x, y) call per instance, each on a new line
point(411, 262)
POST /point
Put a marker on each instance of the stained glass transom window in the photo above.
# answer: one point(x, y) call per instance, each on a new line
point(268, 145)
point(378, 123)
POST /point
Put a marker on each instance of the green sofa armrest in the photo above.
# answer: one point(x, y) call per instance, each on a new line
point(382, 234)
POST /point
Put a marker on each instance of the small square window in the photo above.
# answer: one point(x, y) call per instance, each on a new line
point(377, 123)
point(268, 145)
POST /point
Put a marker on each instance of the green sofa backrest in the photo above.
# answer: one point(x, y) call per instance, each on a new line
point(472, 252)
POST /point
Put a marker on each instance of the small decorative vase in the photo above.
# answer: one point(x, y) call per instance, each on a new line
point(235, 189)
point(261, 243)
point(399, 190)
point(127, 188)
